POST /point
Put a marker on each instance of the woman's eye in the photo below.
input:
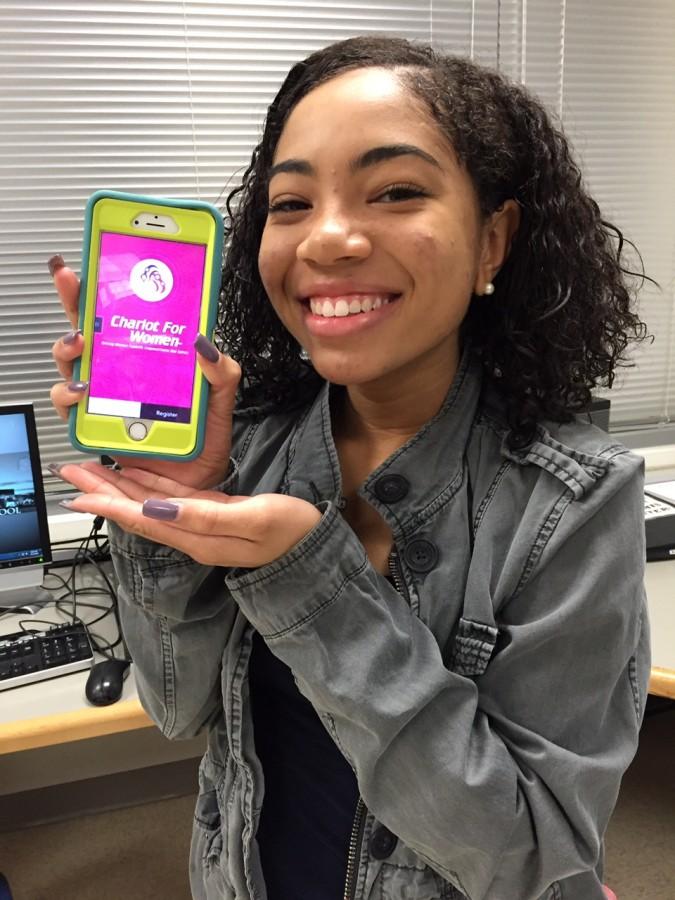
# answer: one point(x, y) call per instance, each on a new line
point(286, 206)
point(399, 192)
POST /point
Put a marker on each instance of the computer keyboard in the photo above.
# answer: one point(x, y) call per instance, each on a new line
point(28, 656)
point(655, 508)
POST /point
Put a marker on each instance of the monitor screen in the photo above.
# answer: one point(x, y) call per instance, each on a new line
point(24, 532)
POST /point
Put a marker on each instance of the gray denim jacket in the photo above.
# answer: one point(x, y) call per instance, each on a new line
point(489, 707)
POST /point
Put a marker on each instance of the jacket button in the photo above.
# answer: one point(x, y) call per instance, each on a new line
point(420, 555)
point(382, 843)
point(391, 488)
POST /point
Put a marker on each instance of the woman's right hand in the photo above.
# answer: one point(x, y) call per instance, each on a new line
point(223, 375)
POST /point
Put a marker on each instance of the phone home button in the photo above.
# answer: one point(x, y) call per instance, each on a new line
point(137, 431)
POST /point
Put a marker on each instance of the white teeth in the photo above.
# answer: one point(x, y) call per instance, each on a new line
point(347, 306)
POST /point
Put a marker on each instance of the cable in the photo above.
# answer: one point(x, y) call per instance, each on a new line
point(68, 600)
point(85, 555)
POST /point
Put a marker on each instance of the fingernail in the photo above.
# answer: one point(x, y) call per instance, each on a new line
point(71, 336)
point(160, 509)
point(55, 468)
point(55, 263)
point(78, 387)
point(208, 350)
point(66, 503)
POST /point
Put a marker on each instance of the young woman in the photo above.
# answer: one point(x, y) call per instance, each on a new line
point(402, 588)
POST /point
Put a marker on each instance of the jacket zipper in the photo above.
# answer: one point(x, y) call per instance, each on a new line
point(396, 575)
point(360, 815)
point(354, 848)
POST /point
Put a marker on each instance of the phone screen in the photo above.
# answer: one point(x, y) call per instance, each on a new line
point(148, 297)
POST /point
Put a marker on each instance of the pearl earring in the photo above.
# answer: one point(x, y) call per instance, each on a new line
point(488, 289)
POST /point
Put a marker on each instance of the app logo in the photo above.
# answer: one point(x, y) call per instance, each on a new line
point(151, 280)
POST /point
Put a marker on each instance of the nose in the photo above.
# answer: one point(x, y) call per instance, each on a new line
point(332, 238)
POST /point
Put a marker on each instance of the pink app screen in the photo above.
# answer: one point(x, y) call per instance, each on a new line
point(148, 296)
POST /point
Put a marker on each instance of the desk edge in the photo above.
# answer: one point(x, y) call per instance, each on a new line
point(129, 715)
point(77, 725)
point(662, 682)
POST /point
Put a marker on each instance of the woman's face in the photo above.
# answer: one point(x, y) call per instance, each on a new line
point(372, 243)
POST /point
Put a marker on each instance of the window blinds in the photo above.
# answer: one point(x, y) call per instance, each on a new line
point(167, 97)
point(159, 97)
point(606, 67)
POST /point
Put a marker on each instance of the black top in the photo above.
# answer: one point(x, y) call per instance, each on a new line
point(310, 789)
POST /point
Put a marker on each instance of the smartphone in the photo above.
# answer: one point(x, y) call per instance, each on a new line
point(150, 283)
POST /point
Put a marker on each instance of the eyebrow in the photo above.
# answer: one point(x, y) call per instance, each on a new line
point(363, 161)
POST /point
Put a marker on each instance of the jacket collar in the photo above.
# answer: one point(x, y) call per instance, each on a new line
point(425, 472)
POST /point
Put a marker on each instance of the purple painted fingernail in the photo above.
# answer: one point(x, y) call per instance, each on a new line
point(78, 387)
point(208, 350)
point(54, 468)
point(55, 263)
point(71, 336)
point(160, 509)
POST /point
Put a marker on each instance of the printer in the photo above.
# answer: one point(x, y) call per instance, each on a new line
point(660, 520)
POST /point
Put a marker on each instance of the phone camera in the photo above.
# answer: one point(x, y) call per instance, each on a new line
point(136, 222)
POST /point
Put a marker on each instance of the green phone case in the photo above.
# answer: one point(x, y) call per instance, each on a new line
point(214, 254)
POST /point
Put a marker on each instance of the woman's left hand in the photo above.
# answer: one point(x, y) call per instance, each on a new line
point(213, 528)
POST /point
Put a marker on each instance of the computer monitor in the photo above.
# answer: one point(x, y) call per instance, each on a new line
point(24, 530)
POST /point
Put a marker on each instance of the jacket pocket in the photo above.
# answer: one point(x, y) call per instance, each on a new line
point(405, 876)
point(404, 883)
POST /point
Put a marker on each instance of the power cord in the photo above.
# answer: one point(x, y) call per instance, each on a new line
point(101, 552)
point(84, 555)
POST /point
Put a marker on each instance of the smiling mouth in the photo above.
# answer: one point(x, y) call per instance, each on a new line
point(349, 305)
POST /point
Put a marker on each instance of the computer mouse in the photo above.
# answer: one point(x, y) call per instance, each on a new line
point(105, 681)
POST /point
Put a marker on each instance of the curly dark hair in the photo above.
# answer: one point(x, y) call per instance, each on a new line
point(560, 318)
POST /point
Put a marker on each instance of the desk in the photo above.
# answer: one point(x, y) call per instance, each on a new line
point(56, 712)
point(660, 585)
